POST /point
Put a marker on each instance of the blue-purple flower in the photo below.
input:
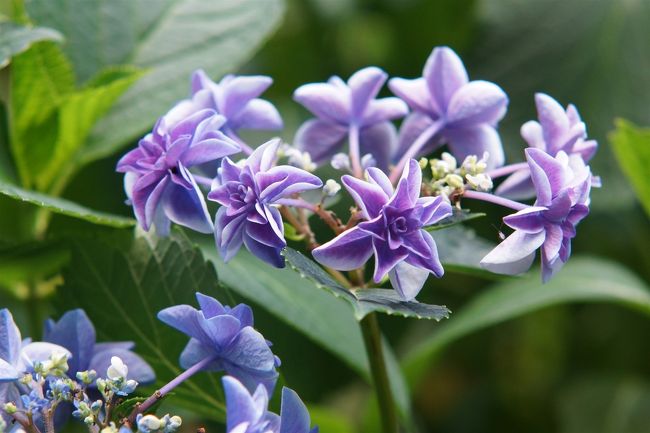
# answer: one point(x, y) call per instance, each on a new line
point(236, 98)
point(158, 181)
point(557, 130)
point(393, 231)
point(340, 107)
point(75, 332)
point(227, 337)
point(563, 185)
point(246, 413)
point(249, 193)
point(448, 108)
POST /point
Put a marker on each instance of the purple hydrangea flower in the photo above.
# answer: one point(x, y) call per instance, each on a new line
point(226, 335)
point(557, 130)
point(342, 107)
point(562, 184)
point(448, 108)
point(393, 231)
point(234, 97)
point(158, 181)
point(246, 413)
point(76, 332)
point(248, 194)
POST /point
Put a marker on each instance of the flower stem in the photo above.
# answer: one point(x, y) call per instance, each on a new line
point(415, 148)
point(372, 339)
point(156, 396)
point(507, 169)
point(491, 198)
point(355, 154)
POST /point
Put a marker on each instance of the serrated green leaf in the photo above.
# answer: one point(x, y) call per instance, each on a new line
point(122, 290)
point(581, 280)
point(64, 207)
point(172, 38)
point(631, 146)
point(15, 38)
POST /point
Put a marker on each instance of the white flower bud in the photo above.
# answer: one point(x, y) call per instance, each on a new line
point(341, 161)
point(148, 423)
point(449, 160)
point(331, 188)
point(455, 181)
point(368, 160)
point(118, 369)
point(480, 182)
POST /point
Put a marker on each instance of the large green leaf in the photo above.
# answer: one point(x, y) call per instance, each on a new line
point(15, 39)
point(64, 207)
point(581, 280)
point(123, 288)
point(171, 38)
point(631, 146)
point(461, 249)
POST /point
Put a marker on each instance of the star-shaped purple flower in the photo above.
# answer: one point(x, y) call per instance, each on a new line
point(349, 110)
point(557, 130)
point(234, 97)
point(246, 413)
point(563, 185)
point(158, 181)
point(248, 194)
point(75, 332)
point(448, 108)
point(225, 335)
point(393, 231)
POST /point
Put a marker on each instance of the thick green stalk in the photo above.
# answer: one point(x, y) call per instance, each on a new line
point(372, 339)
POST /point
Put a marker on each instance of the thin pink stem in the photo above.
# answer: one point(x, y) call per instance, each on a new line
point(507, 169)
point(355, 155)
point(415, 148)
point(297, 202)
point(491, 198)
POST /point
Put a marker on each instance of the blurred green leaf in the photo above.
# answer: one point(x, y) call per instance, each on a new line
point(363, 301)
point(581, 280)
point(460, 250)
point(459, 216)
point(631, 146)
point(329, 420)
point(31, 262)
point(15, 39)
point(171, 38)
point(122, 290)
point(64, 207)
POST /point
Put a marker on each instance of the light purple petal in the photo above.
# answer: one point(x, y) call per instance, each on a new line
point(379, 178)
point(384, 109)
point(379, 140)
point(240, 406)
point(411, 128)
point(188, 125)
point(475, 103)
point(250, 351)
point(257, 114)
point(515, 254)
point(220, 329)
point(434, 209)
point(209, 305)
point(244, 313)
point(445, 74)
point(550, 267)
point(427, 257)
point(146, 199)
point(195, 352)
point(187, 206)
point(385, 258)
point(528, 220)
point(285, 180)
point(139, 370)
point(408, 188)
point(349, 250)
point(239, 90)
point(263, 157)
point(364, 87)
point(229, 233)
point(39, 351)
point(407, 280)
point(321, 138)
point(552, 241)
point(414, 93)
point(554, 121)
point(8, 372)
point(75, 332)
point(293, 413)
point(517, 186)
point(586, 148)
point(369, 197)
point(325, 101)
point(547, 173)
point(532, 132)
point(10, 340)
point(185, 319)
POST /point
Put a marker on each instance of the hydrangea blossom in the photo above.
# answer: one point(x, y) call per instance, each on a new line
point(562, 184)
point(351, 110)
point(246, 413)
point(75, 332)
point(448, 108)
point(158, 181)
point(236, 98)
point(393, 231)
point(248, 194)
point(226, 338)
point(557, 130)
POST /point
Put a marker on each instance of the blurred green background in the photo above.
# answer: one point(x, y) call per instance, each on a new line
point(579, 368)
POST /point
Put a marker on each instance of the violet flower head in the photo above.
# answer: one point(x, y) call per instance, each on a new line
point(246, 413)
point(76, 332)
point(248, 194)
point(158, 181)
point(236, 98)
point(227, 336)
point(557, 130)
point(563, 185)
point(393, 231)
point(451, 109)
point(339, 107)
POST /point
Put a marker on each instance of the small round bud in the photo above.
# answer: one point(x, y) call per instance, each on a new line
point(96, 405)
point(341, 161)
point(148, 423)
point(423, 163)
point(10, 408)
point(480, 182)
point(368, 161)
point(454, 180)
point(331, 188)
point(117, 370)
point(89, 420)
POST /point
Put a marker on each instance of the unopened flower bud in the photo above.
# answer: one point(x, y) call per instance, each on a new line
point(341, 161)
point(423, 163)
point(368, 161)
point(10, 408)
point(454, 180)
point(87, 377)
point(89, 420)
point(449, 160)
point(117, 370)
point(331, 188)
point(148, 423)
point(96, 405)
point(173, 424)
point(480, 182)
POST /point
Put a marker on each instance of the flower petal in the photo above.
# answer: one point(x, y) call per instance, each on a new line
point(385, 258)
point(364, 87)
point(269, 254)
point(475, 103)
point(349, 250)
point(517, 186)
point(228, 232)
point(408, 188)
point(285, 180)
point(379, 178)
point(434, 209)
point(293, 413)
point(427, 257)
point(515, 254)
point(239, 90)
point(8, 372)
point(249, 350)
point(384, 109)
point(380, 141)
point(220, 329)
point(187, 206)
point(320, 138)
point(240, 406)
point(186, 319)
point(445, 74)
point(326, 101)
point(75, 332)
point(257, 114)
point(407, 280)
point(532, 132)
point(412, 127)
point(10, 341)
point(209, 306)
point(369, 197)
point(139, 370)
point(263, 157)
point(553, 119)
point(39, 351)
point(195, 352)
point(415, 94)
point(548, 175)
point(528, 220)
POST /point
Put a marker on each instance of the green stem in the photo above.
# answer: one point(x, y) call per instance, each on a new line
point(372, 339)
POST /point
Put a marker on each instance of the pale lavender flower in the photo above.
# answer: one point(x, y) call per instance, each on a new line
point(563, 185)
point(557, 130)
point(393, 231)
point(225, 335)
point(158, 181)
point(248, 194)
point(246, 413)
point(234, 97)
point(448, 108)
point(349, 110)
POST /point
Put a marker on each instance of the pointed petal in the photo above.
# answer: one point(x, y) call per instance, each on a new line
point(220, 329)
point(239, 90)
point(364, 87)
point(414, 93)
point(186, 319)
point(326, 101)
point(293, 413)
point(75, 332)
point(369, 197)
point(263, 157)
point(240, 407)
point(285, 180)
point(384, 109)
point(547, 173)
point(379, 178)
point(385, 258)
point(445, 74)
point(553, 241)
point(554, 121)
point(412, 127)
point(228, 232)
point(8, 372)
point(10, 341)
point(515, 254)
point(187, 206)
point(407, 280)
point(380, 141)
point(434, 209)
point(517, 186)
point(349, 250)
point(269, 254)
point(528, 220)
point(257, 114)
point(475, 103)
point(408, 188)
point(427, 257)
point(209, 305)
point(244, 313)
point(321, 138)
